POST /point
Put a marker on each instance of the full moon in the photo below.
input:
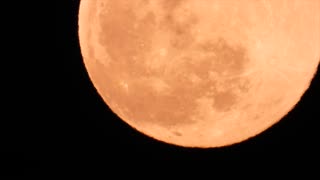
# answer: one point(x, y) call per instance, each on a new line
point(200, 73)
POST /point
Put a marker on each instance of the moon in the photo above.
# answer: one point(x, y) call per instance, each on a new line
point(204, 74)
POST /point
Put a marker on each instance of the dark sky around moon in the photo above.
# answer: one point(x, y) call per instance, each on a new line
point(92, 134)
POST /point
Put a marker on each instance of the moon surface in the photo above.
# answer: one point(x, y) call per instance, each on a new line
point(200, 73)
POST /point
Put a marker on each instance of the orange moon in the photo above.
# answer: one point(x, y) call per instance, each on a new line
point(206, 73)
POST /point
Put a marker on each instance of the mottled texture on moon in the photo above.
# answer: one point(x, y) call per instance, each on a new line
point(200, 73)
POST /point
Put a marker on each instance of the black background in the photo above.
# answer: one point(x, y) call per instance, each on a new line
point(94, 137)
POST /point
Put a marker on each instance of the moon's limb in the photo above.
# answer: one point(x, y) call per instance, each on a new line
point(199, 73)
